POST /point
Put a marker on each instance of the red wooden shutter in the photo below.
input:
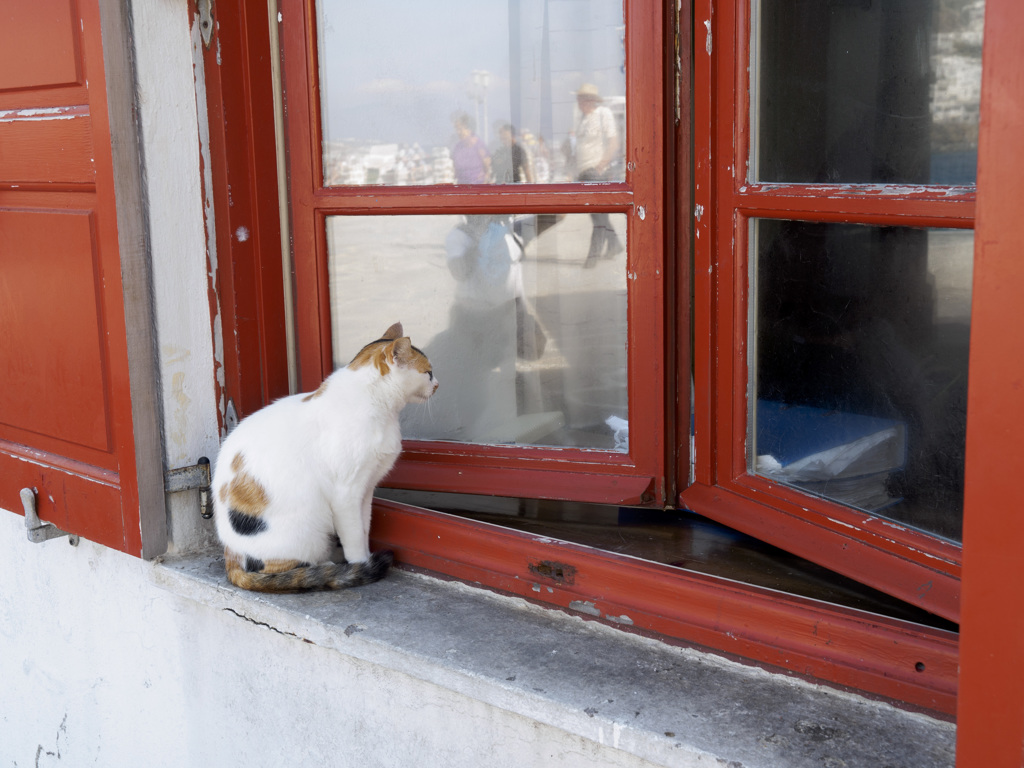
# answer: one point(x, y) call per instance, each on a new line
point(66, 425)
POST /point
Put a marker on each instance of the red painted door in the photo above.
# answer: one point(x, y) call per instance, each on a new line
point(65, 407)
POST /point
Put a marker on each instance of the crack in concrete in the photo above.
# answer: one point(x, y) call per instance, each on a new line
point(268, 626)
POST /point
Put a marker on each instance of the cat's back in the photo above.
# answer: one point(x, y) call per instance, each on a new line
point(273, 424)
point(275, 438)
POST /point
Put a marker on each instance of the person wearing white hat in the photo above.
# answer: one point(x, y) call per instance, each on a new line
point(597, 142)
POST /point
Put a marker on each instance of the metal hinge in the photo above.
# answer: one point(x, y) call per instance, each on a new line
point(205, 8)
point(191, 478)
point(39, 531)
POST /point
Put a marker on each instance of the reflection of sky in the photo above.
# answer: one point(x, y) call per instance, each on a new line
point(397, 70)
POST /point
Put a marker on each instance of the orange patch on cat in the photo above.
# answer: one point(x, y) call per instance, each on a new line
point(244, 493)
point(421, 363)
point(232, 560)
point(371, 353)
point(234, 565)
point(296, 577)
point(319, 391)
point(279, 566)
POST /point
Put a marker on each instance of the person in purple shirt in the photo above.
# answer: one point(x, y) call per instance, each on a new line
point(470, 157)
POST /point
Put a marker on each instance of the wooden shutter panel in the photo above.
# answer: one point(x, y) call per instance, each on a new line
point(66, 416)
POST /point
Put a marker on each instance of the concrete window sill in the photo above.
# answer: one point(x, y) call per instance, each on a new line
point(666, 705)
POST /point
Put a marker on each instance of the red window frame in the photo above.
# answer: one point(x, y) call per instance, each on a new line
point(238, 78)
point(636, 478)
point(904, 662)
point(922, 570)
point(990, 712)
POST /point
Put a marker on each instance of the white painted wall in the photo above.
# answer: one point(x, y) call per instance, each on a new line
point(173, 137)
point(100, 666)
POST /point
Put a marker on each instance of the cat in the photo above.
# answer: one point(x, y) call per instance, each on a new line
point(297, 476)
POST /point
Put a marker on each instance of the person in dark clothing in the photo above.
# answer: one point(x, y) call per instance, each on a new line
point(510, 163)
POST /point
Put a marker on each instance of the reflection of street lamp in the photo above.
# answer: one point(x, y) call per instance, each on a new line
point(481, 79)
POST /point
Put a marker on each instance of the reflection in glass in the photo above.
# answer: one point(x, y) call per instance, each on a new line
point(421, 93)
point(866, 92)
point(859, 367)
point(528, 344)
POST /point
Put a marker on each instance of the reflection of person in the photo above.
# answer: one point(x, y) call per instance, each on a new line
point(470, 158)
point(541, 161)
point(597, 142)
point(510, 163)
point(479, 344)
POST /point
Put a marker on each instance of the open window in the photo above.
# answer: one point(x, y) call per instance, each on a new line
point(491, 176)
point(569, 380)
point(833, 283)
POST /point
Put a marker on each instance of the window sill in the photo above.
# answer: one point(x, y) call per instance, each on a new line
point(664, 704)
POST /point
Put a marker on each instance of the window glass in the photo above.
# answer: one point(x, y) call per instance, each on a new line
point(853, 91)
point(472, 92)
point(522, 316)
point(859, 367)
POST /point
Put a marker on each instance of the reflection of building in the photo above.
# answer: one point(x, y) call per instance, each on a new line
point(956, 90)
point(358, 163)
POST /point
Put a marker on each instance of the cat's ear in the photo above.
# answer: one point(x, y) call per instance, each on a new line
point(394, 332)
point(401, 350)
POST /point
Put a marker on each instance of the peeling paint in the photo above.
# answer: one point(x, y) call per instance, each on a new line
point(892, 525)
point(623, 619)
point(206, 168)
point(840, 522)
point(707, 44)
point(46, 113)
point(102, 477)
point(860, 190)
point(560, 572)
point(584, 606)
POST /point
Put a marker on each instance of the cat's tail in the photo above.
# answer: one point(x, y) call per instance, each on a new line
point(249, 573)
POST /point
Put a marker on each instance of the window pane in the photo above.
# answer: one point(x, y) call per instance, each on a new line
point(853, 91)
point(860, 340)
point(418, 93)
point(523, 318)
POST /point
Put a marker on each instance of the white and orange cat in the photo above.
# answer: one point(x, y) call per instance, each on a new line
point(298, 476)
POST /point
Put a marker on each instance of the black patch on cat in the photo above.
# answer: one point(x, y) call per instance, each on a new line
point(253, 564)
point(246, 525)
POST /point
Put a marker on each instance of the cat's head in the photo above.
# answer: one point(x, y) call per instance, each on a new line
point(394, 355)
